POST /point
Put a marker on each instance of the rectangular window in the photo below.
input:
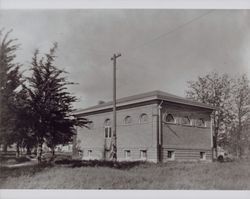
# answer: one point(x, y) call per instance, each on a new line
point(143, 154)
point(127, 154)
point(110, 135)
point(202, 155)
point(171, 155)
point(89, 153)
point(80, 153)
point(108, 132)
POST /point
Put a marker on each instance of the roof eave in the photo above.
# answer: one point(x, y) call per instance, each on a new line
point(105, 107)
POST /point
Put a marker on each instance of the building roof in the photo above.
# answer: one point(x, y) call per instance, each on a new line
point(148, 96)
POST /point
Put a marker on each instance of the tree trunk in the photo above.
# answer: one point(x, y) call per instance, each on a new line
point(238, 137)
point(17, 150)
point(35, 150)
point(74, 150)
point(216, 131)
point(5, 148)
point(28, 152)
point(53, 151)
point(238, 151)
point(237, 147)
point(39, 152)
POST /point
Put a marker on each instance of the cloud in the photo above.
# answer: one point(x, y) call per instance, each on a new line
point(87, 39)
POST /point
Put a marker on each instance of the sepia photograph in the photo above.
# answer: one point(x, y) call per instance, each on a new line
point(125, 99)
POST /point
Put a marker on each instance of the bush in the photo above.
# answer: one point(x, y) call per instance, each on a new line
point(13, 160)
point(22, 159)
point(99, 163)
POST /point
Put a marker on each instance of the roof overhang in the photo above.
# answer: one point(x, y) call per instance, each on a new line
point(152, 96)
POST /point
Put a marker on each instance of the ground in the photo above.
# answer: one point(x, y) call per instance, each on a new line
point(97, 175)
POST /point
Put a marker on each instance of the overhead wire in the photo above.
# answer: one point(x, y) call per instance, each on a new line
point(163, 35)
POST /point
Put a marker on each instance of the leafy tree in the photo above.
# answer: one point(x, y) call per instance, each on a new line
point(10, 80)
point(214, 90)
point(241, 110)
point(53, 121)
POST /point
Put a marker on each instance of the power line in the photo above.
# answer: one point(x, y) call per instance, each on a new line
point(171, 31)
point(104, 53)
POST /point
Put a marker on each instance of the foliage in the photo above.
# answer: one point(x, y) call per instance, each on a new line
point(239, 134)
point(52, 120)
point(24, 136)
point(10, 80)
point(214, 89)
point(231, 98)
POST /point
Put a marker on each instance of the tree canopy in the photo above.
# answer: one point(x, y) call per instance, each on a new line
point(10, 81)
point(52, 119)
point(230, 96)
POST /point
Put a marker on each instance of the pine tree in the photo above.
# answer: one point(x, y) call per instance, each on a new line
point(24, 136)
point(10, 80)
point(52, 116)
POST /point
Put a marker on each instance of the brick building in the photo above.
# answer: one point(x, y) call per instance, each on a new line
point(154, 126)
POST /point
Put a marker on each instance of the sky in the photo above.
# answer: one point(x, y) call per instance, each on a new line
point(161, 49)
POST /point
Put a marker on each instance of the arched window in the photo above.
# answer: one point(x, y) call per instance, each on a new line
point(107, 128)
point(107, 122)
point(128, 120)
point(200, 122)
point(185, 120)
point(144, 118)
point(169, 118)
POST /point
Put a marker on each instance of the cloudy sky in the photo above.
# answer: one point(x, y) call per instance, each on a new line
point(161, 49)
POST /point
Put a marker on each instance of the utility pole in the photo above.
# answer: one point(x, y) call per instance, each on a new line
point(114, 136)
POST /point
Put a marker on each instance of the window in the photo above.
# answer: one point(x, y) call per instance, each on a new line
point(127, 154)
point(200, 122)
point(169, 118)
point(108, 133)
point(80, 153)
point(89, 153)
point(107, 122)
point(202, 155)
point(107, 128)
point(185, 120)
point(128, 120)
point(171, 155)
point(143, 118)
point(143, 154)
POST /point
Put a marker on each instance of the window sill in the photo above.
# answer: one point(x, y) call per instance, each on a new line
point(202, 127)
point(189, 125)
point(170, 122)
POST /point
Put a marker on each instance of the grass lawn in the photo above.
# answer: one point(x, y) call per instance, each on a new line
point(173, 175)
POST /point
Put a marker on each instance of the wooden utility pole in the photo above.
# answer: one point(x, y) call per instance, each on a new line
point(114, 136)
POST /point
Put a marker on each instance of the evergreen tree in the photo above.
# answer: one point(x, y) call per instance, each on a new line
point(52, 119)
point(10, 80)
point(24, 136)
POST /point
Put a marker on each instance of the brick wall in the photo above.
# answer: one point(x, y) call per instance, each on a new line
point(135, 137)
point(182, 154)
point(187, 141)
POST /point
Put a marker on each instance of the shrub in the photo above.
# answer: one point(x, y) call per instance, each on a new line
point(99, 163)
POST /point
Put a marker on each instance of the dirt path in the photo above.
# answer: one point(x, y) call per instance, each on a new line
point(31, 162)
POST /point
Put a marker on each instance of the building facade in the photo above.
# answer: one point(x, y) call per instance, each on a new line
point(154, 126)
